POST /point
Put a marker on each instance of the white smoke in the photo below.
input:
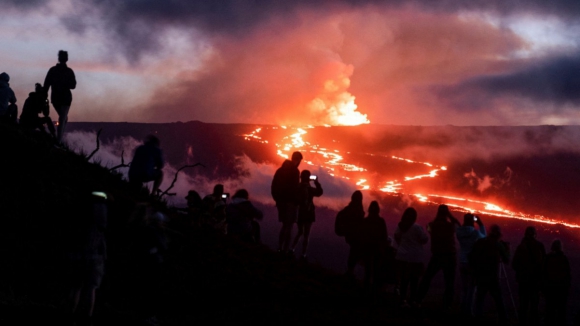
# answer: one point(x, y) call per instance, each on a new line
point(484, 183)
point(257, 180)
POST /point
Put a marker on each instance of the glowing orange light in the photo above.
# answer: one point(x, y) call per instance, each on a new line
point(336, 167)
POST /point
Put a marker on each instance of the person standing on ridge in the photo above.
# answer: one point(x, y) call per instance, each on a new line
point(61, 79)
point(467, 235)
point(486, 259)
point(557, 279)
point(348, 224)
point(284, 191)
point(410, 238)
point(8, 108)
point(528, 263)
point(374, 241)
point(444, 255)
point(306, 209)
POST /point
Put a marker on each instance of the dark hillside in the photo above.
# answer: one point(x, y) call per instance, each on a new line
point(208, 277)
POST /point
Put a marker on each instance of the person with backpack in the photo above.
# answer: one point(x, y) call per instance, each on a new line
point(60, 79)
point(444, 255)
point(8, 108)
point(284, 190)
point(306, 209)
point(528, 263)
point(410, 238)
point(35, 104)
point(241, 216)
point(347, 224)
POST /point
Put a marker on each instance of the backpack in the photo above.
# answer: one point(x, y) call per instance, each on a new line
point(341, 222)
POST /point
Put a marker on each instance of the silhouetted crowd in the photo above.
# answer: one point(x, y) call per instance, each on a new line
point(60, 79)
point(481, 258)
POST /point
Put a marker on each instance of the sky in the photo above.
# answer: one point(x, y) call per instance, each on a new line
point(340, 62)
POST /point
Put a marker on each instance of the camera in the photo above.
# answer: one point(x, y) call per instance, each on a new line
point(225, 195)
point(313, 177)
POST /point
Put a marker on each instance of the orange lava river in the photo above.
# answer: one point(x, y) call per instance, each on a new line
point(334, 163)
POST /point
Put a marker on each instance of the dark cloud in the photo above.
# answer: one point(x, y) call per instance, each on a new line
point(21, 3)
point(135, 24)
point(556, 81)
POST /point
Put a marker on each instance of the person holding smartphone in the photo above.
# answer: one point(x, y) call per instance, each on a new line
point(306, 214)
point(214, 209)
point(467, 235)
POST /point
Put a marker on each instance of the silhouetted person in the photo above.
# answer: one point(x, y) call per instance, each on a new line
point(8, 108)
point(444, 254)
point(241, 216)
point(410, 238)
point(557, 279)
point(147, 164)
point(148, 247)
point(35, 104)
point(374, 241)
point(528, 263)
point(88, 256)
point(467, 235)
point(61, 79)
point(485, 259)
point(306, 210)
point(194, 208)
point(348, 224)
point(284, 191)
point(214, 206)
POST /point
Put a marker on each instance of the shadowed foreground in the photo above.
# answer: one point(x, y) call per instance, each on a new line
point(208, 277)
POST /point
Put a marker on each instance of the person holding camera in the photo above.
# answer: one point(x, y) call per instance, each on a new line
point(306, 215)
point(214, 209)
point(467, 235)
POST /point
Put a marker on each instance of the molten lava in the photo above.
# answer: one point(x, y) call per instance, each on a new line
point(333, 162)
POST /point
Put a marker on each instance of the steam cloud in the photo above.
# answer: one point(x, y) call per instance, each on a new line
point(321, 62)
point(257, 180)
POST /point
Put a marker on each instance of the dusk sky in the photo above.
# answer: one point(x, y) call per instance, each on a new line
point(480, 62)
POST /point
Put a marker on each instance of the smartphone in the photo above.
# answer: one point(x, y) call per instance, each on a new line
point(225, 195)
point(313, 177)
point(475, 219)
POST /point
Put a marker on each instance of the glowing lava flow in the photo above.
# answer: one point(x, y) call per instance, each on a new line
point(333, 163)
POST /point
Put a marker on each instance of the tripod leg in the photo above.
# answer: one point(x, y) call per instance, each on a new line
point(502, 270)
